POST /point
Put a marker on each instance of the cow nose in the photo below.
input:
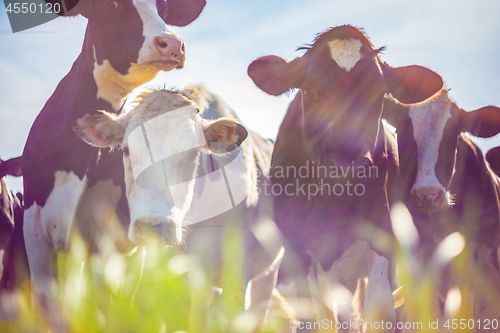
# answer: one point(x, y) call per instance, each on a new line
point(173, 49)
point(165, 228)
point(429, 198)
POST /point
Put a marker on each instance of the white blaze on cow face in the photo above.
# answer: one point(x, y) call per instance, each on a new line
point(345, 52)
point(429, 119)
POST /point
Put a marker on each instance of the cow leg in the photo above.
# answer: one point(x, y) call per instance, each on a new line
point(293, 285)
point(487, 281)
point(40, 259)
point(47, 230)
point(260, 288)
point(379, 301)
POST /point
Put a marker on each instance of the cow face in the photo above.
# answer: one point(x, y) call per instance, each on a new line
point(130, 42)
point(428, 133)
point(161, 138)
point(342, 82)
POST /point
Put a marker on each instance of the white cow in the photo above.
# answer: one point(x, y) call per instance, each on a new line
point(183, 169)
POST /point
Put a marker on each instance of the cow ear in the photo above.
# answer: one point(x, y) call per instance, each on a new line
point(66, 7)
point(182, 12)
point(393, 110)
point(11, 167)
point(275, 75)
point(100, 130)
point(224, 135)
point(411, 84)
point(483, 122)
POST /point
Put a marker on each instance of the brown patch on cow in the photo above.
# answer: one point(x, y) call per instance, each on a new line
point(221, 131)
point(224, 130)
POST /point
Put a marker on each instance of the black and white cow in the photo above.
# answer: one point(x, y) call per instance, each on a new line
point(447, 184)
point(14, 270)
point(69, 185)
point(182, 162)
point(10, 167)
point(333, 131)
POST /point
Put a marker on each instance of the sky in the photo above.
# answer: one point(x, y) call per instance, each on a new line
point(458, 39)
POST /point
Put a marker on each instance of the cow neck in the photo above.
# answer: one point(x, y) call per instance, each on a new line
point(114, 86)
point(379, 149)
point(52, 143)
point(304, 131)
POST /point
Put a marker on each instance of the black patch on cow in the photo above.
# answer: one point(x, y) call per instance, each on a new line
point(116, 34)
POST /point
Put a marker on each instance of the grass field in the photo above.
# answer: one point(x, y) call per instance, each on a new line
point(173, 293)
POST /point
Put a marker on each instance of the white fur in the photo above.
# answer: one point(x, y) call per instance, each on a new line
point(164, 194)
point(379, 301)
point(58, 214)
point(153, 26)
point(345, 52)
point(429, 119)
point(359, 261)
point(211, 195)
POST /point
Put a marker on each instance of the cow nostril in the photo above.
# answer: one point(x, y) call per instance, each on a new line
point(169, 48)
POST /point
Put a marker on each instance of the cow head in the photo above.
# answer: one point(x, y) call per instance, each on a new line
point(161, 139)
point(342, 83)
point(427, 134)
point(129, 40)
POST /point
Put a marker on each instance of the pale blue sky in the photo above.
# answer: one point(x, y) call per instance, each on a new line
point(459, 39)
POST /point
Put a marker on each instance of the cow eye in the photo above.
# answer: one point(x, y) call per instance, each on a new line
point(310, 94)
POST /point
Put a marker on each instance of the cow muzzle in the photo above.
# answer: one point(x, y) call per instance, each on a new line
point(430, 199)
point(163, 227)
point(172, 53)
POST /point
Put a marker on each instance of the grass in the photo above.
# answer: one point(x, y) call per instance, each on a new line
point(174, 293)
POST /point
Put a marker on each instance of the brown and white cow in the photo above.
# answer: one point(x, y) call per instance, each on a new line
point(334, 123)
point(67, 183)
point(447, 184)
point(493, 158)
point(182, 163)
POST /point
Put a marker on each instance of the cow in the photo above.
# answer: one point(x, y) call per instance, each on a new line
point(447, 184)
point(14, 269)
point(193, 138)
point(330, 139)
point(10, 167)
point(493, 158)
point(69, 185)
